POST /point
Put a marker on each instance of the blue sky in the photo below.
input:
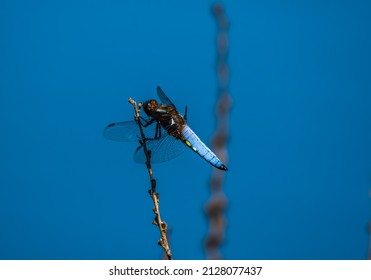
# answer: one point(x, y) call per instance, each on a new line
point(300, 157)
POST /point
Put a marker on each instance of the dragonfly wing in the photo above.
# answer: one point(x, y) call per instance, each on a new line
point(122, 131)
point(161, 94)
point(128, 131)
point(162, 149)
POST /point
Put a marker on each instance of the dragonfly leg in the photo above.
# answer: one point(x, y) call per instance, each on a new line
point(157, 133)
point(146, 123)
point(158, 130)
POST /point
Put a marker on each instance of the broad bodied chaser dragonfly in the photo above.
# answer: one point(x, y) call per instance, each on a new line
point(167, 133)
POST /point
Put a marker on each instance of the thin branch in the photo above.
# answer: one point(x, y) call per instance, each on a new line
point(162, 226)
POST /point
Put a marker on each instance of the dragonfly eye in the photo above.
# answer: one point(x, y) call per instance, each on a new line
point(149, 106)
point(154, 103)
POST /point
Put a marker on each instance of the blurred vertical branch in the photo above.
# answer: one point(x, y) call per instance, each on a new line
point(216, 206)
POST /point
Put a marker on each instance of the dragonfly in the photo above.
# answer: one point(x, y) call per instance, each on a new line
point(166, 131)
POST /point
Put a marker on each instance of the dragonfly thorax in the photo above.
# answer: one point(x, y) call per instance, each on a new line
point(167, 116)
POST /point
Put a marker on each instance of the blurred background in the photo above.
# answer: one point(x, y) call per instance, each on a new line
point(299, 153)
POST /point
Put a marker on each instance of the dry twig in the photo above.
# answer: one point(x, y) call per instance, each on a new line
point(163, 242)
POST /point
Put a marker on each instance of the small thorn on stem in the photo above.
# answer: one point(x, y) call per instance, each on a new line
point(164, 226)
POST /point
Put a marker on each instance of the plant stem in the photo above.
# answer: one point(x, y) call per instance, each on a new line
point(162, 226)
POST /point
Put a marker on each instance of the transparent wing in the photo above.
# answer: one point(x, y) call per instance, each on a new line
point(128, 131)
point(162, 149)
point(122, 131)
point(161, 94)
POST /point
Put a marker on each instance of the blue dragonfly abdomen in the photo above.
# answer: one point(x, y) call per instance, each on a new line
point(194, 142)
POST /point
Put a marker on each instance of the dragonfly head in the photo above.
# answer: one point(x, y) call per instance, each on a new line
point(150, 106)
